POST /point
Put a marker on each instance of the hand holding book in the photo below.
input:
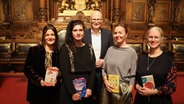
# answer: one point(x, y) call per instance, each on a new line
point(114, 81)
point(148, 81)
point(80, 85)
point(51, 76)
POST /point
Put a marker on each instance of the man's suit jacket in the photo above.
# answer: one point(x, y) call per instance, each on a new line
point(106, 40)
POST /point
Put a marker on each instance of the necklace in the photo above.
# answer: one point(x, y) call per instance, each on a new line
point(149, 65)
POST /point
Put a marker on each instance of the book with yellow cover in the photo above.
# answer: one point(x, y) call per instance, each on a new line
point(148, 81)
point(114, 81)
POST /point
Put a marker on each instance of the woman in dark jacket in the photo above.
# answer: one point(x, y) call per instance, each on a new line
point(39, 59)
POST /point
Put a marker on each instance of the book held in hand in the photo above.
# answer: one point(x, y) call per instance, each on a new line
point(148, 81)
point(114, 81)
point(80, 85)
point(51, 74)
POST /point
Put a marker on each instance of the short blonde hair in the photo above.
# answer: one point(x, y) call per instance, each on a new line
point(156, 28)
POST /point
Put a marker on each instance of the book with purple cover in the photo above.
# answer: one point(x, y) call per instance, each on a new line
point(148, 81)
point(80, 85)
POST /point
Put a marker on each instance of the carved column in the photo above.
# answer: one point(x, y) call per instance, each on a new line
point(1, 11)
point(43, 11)
point(111, 13)
point(116, 15)
point(151, 12)
point(42, 3)
point(48, 12)
point(175, 13)
point(6, 10)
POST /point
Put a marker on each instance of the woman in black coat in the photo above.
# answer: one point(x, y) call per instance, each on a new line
point(39, 59)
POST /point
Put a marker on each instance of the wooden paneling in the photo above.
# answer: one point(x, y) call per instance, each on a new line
point(181, 12)
point(163, 12)
point(19, 10)
point(25, 19)
point(1, 12)
point(136, 17)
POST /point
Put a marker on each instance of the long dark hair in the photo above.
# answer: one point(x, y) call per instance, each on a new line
point(69, 40)
point(47, 27)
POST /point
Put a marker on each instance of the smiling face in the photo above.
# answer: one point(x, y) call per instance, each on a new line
point(96, 19)
point(49, 37)
point(154, 38)
point(78, 32)
point(119, 35)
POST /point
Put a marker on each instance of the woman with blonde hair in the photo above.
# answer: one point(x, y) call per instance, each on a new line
point(157, 66)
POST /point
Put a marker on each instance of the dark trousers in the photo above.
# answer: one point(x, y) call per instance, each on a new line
point(98, 86)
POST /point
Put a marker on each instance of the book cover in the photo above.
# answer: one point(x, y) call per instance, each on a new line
point(51, 74)
point(80, 85)
point(148, 81)
point(114, 81)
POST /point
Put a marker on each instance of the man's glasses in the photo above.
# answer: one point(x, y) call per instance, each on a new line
point(94, 20)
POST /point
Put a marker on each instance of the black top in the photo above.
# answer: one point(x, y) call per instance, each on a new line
point(84, 64)
point(164, 74)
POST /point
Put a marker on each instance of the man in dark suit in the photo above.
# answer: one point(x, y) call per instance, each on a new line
point(101, 39)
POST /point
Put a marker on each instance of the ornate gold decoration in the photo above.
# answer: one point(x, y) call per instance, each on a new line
point(78, 5)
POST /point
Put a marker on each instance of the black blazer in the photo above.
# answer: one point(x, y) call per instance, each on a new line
point(34, 70)
point(106, 40)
